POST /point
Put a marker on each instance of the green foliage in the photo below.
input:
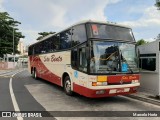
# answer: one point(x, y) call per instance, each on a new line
point(158, 4)
point(43, 34)
point(8, 26)
point(141, 42)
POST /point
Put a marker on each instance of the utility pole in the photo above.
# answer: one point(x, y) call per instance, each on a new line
point(14, 25)
point(13, 50)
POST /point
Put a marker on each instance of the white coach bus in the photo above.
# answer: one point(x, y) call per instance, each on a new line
point(94, 59)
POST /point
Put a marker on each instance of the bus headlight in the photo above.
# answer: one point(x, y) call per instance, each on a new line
point(99, 83)
point(135, 81)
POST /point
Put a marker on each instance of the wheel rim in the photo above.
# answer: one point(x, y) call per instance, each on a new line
point(68, 86)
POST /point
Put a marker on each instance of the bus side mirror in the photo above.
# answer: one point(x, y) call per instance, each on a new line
point(87, 53)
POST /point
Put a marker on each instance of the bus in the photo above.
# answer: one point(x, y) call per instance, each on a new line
point(94, 59)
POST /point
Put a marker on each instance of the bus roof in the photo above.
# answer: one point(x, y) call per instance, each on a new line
point(82, 22)
point(101, 22)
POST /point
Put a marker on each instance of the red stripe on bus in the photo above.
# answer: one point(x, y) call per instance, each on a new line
point(125, 78)
point(44, 73)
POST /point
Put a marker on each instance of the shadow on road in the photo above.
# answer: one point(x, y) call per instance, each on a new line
point(27, 79)
point(118, 99)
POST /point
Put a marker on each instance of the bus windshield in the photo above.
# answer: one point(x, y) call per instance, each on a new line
point(113, 57)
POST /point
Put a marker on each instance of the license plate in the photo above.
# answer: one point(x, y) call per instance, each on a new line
point(120, 90)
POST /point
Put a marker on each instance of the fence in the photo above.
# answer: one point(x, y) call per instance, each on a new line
point(3, 65)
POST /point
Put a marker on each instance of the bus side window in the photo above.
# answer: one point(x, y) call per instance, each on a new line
point(82, 59)
point(57, 42)
point(31, 50)
point(78, 35)
point(52, 44)
point(36, 49)
point(65, 39)
point(47, 46)
point(74, 58)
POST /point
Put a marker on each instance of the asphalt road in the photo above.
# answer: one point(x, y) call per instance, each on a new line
point(39, 95)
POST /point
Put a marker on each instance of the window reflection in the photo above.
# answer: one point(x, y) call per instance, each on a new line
point(112, 57)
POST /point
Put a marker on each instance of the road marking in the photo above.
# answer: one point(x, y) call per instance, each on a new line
point(15, 105)
point(8, 76)
point(6, 72)
point(5, 76)
point(13, 98)
point(16, 73)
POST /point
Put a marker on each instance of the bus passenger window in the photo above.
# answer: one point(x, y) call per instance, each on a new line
point(56, 42)
point(65, 39)
point(74, 58)
point(78, 35)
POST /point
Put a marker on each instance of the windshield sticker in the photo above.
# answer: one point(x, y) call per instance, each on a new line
point(124, 67)
point(75, 74)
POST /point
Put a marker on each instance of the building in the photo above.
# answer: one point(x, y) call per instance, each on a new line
point(21, 46)
point(149, 63)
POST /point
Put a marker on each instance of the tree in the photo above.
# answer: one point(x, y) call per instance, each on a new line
point(8, 29)
point(43, 34)
point(141, 42)
point(158, 4)
point(158, 37)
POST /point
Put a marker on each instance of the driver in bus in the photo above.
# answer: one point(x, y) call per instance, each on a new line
point(112, 63)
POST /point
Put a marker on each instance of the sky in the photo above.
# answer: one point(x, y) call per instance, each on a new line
point(55, 15)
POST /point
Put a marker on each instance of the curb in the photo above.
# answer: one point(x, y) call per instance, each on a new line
point(145, 99)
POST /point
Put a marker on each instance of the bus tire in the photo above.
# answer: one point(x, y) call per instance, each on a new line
point(34, 73)
point(67, 86)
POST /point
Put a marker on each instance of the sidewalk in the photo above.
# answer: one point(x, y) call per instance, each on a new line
point(146, 97)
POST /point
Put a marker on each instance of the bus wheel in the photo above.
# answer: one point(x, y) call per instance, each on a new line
point(67, 86)
point(34, 74)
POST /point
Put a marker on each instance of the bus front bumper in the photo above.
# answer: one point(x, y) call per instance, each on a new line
point(106, 91)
